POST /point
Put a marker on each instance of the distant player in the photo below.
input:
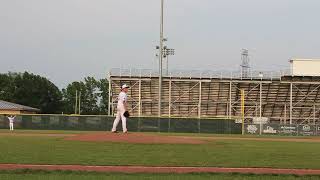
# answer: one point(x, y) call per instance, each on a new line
point(122, 112)
point(11, 121)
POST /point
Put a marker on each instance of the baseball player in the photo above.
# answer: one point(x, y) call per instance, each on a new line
point(11, 121)
point(121, 110)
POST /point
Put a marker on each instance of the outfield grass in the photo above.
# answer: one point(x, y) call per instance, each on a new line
point(236, 135)
point(23, 131)
point(59, 175)
point(217, 153)
point(26, 131)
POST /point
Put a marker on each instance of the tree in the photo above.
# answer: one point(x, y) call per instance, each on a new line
point(7, 87)
point(90, 91)
point(31, 90)
point(94, 96)
point(104, 88)
point(38, 92)
point(69, 96)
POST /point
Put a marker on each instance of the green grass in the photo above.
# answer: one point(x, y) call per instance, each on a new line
point(235, 135)
point(64, 175)
point(217, 153)
point(20, 131)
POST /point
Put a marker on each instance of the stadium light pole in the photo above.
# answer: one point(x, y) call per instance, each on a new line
point(160, 58)
point(168, 52)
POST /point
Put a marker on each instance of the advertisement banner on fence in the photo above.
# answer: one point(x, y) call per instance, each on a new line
point(318, 130)
point(73, 121)
point(288, 129)
point(307, 130)
point(252, 129)
point(54, 120)
point(270, 129)
point(36, 120)
point(3, 121)
point(93, 121)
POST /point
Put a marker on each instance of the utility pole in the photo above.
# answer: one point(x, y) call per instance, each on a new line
point(79, 102)
point(160, 59)
point(76, 104)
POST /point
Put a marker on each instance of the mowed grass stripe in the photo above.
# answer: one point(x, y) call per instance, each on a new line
point(65, 175)
point(217, 153)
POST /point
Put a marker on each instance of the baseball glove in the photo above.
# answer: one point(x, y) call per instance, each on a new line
point(126, 114)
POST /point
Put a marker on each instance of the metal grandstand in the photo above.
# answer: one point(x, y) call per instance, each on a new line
point(198, 74)
point(278, 96)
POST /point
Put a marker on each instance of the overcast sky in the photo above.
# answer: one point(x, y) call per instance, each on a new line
point(67, 40)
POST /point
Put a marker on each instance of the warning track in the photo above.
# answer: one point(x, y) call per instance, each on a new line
point(143, 169)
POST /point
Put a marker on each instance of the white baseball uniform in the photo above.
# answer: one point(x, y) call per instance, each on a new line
point(122, 98)
point(11, 120)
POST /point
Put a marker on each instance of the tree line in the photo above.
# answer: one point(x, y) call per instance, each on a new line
point(39, 92)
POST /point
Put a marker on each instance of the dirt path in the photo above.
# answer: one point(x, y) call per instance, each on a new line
point(143, 169)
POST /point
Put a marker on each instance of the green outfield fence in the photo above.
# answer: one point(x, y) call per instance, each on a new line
point(135, 124)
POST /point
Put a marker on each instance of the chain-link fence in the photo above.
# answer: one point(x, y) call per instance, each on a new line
point(135, 124)
point(154, 124)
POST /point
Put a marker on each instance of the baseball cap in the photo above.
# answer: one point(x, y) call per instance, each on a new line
point(124, 86)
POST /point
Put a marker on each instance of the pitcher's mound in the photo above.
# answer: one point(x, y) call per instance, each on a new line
point(135, 138)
